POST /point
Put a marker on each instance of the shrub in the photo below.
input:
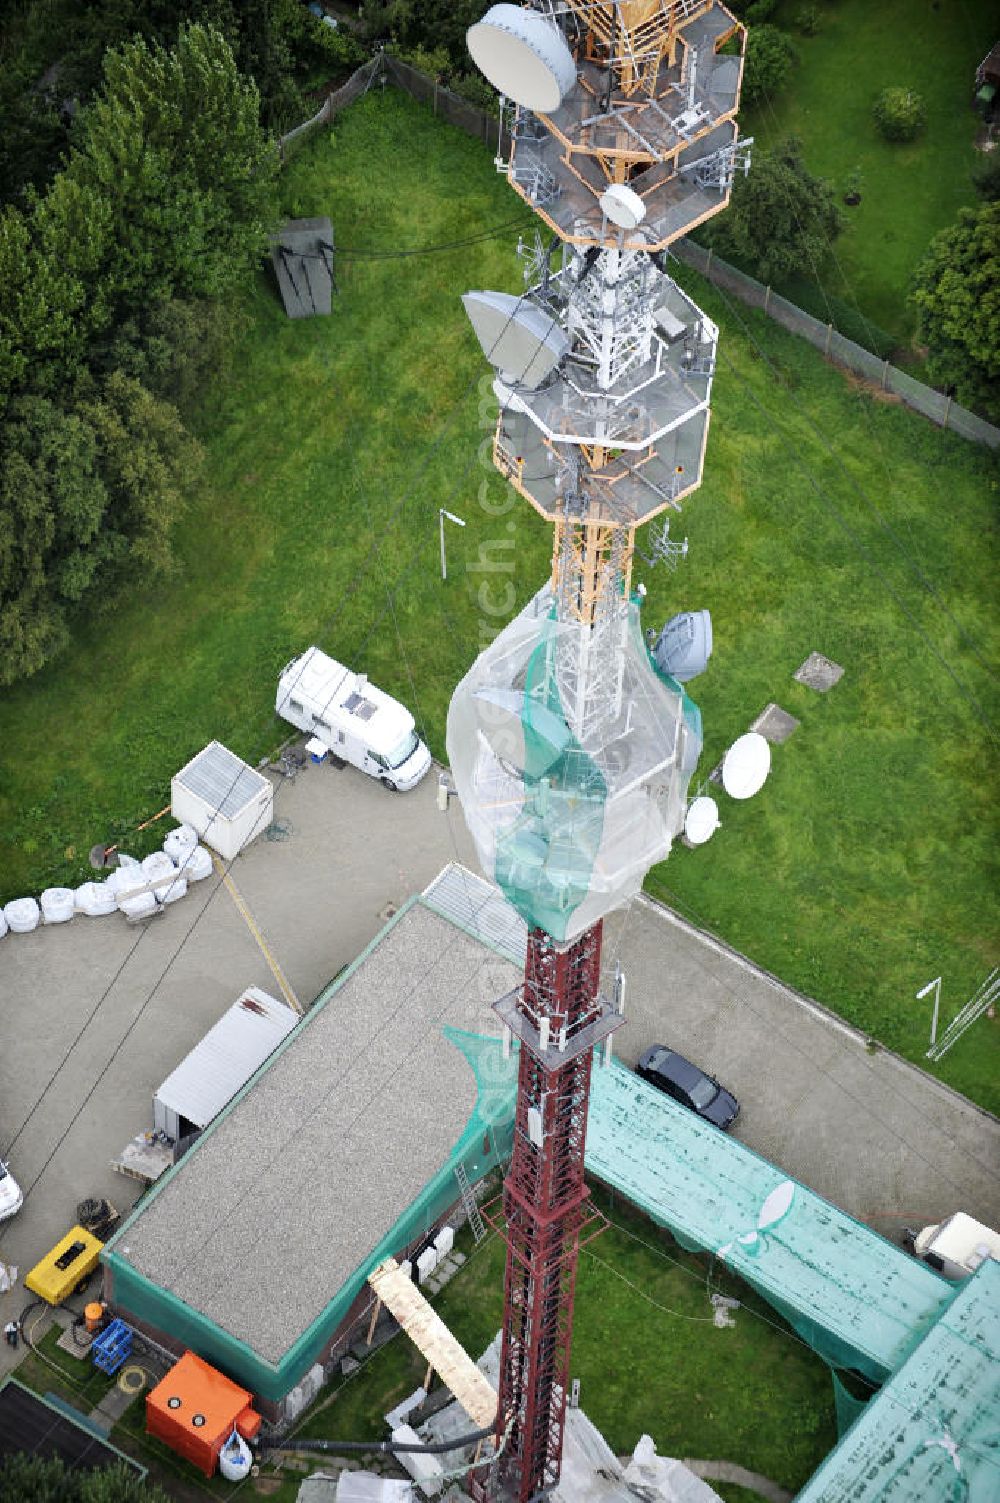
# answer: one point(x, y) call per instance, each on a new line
point(807, 20)
point(770, 56)
point(760, 11)
point(899, 114)
point(986, 176)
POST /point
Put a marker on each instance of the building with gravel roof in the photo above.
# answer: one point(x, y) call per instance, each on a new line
point(340, 1151)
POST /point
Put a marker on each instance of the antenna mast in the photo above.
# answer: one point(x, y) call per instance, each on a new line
point(571, 750)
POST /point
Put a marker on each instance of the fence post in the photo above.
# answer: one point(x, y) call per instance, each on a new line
point(885, 375)
point(435, 96)
point(708, 264)
point(767, 297)
point(829, 336)
point(947, 410)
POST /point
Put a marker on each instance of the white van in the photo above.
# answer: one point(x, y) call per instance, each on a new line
point(957, 1245)
point(359, 723)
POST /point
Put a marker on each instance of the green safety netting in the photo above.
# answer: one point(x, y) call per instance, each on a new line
point(572, 755)
point(485, 1143)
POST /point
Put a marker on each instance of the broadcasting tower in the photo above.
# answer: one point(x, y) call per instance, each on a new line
point(572, 743)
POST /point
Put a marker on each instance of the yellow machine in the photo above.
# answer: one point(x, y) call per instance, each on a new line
point(66, 1267)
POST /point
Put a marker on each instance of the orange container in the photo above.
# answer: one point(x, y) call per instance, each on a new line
point(93, 1316)
point(195, 1409)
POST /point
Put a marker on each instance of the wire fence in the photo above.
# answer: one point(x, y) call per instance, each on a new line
point(941, 409)
point(935, 405)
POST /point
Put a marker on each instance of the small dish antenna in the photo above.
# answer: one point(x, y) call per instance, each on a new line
point(523, 55)
point(746, 766)
point(701, 821)
point(623, 206)
point(521, 340)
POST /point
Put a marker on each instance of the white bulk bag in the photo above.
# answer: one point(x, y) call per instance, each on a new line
point(95, 899)
point(22, 915)
point(180, 841)
point(3, 924)
point(159, 864)
point(57, 905)
point(138, 907)
point(197, 864)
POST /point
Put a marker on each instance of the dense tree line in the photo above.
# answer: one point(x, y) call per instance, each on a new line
point(114, 280)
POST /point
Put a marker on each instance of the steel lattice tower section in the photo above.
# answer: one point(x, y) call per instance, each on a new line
point(570, 744)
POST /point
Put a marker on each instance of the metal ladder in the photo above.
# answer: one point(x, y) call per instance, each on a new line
point(470, 1204)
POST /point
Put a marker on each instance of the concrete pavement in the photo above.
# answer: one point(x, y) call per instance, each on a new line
point(874, 1134)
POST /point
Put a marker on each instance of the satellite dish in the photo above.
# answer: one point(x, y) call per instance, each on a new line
point(623, 206)
point(776, 1205)
point(684, 646)
point(746, 766)
point(518, 338)
point(524, 56)
point(702, 820)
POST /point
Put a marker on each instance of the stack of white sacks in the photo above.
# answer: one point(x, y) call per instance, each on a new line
point(181, 861)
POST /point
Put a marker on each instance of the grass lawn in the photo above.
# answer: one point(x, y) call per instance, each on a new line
point(910, 191)
point(865, 868)
point(647, 1354)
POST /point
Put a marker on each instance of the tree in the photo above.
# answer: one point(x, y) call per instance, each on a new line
point(899, 114)
point(769, 60)
point(781, 219)
point(956, 292)
point(52, 505)
point(174, 144)
point(36, 1479)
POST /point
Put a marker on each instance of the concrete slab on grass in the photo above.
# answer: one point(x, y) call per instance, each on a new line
point(819, 673)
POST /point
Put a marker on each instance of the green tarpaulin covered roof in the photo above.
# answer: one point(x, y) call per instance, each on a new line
point(933, 1432)
point(857, 1300)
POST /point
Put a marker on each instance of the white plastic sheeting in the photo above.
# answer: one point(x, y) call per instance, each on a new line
point(22, 915)
point(58, 905)
point(570, 799)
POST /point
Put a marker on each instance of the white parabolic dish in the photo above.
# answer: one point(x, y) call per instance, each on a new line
point(746, 766)
point(623, 206)
point(523, 56)
point(701, 821)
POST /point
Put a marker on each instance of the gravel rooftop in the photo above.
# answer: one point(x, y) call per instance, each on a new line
point(289, 1192)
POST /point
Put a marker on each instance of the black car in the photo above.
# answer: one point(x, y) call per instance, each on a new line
point(684, 1082)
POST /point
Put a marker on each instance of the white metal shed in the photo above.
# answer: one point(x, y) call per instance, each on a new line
point(231, 1051)
point(226, 800)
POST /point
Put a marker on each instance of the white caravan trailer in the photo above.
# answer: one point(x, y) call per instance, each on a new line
point(358, 723)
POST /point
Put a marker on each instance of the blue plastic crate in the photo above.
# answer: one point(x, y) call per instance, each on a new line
point(111, 1348)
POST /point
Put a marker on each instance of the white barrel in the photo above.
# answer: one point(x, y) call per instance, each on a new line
point(95, 899)
point(58, 905)
point(197, 865)
point(22, 915)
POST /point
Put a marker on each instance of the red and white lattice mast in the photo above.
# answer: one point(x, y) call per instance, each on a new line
point(571, 743)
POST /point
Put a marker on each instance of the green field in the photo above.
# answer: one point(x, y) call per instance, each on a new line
point(866, 867)
point(909, 191)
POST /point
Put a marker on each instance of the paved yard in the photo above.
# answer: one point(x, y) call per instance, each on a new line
point(872, 1133)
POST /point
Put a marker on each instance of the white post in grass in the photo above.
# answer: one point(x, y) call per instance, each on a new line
point(935, 987)
point(458, 523)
